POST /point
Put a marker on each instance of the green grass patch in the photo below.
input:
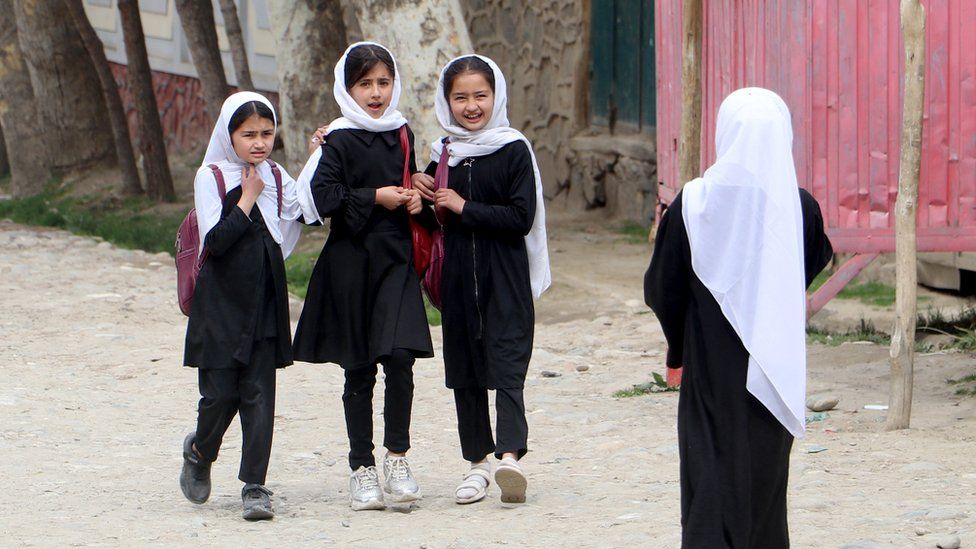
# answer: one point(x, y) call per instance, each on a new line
point(298, 268)
point(658, 385)
point(966, 386)
point(864, 331)
point(633, 232)
point(128, 223)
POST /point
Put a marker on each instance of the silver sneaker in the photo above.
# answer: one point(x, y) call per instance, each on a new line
point(398, 482)
point(364, 490)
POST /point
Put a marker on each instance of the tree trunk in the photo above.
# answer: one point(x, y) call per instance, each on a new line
point(311, 36)
point(70, 108)
point(197, 19)
point(4, 163)
point(238, 51)
point(159, 182)
point(26, 150)
point(689, 144)
point(110, 92)
point(427, 34)
point(906, 206)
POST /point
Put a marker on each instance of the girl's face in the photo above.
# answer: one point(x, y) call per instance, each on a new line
point(471, 100)
point(254, 139)
point(373, 91)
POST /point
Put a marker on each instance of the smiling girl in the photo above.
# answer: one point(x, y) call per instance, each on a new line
point(495, 261)
point(238, 332)
point(364, 305)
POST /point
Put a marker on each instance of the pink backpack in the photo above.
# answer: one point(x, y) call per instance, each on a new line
point(189, 260)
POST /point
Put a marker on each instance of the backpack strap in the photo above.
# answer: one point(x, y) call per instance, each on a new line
point(276, 172)
point(221, 187)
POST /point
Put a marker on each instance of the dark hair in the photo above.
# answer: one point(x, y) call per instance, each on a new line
point(464, 65)
point(361, 59)
point(247, 110)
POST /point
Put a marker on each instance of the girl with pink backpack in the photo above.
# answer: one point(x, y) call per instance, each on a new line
point(238, 333)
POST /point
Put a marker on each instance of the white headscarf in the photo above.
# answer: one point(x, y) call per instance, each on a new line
point(496, 134)
point(353, 117)
point(745, 228)
point(220, 152)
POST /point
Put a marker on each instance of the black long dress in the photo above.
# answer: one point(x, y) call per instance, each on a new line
point(734, 453)
point(364, 296)
point(241, 294)
point(487, 312)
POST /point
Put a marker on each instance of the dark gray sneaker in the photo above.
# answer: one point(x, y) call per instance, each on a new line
point(195, 476)
point(257, 502)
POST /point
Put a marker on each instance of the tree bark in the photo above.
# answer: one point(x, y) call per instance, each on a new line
point(27, 152)
point(71, 111)
point(197, 19)
point(4, 163)
point(238, 51)
point(427, 34)
point(689, 144)
point(906, 206)
point(110, 93)
point(311, 36)
point(159, 182)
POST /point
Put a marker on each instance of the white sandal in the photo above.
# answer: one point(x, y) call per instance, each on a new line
point(477, 479)
point(510, 478)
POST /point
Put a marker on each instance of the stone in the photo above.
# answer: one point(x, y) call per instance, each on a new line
point(548, 373)
point(822, 403)
point(582, 368)
point(949, 542)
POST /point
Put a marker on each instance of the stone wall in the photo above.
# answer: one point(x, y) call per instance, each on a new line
point(542, 46)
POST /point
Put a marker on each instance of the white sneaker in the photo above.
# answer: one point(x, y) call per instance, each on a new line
point(364, 490)
point(398, 482)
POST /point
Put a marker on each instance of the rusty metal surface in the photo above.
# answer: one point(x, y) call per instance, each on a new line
point(837, 64)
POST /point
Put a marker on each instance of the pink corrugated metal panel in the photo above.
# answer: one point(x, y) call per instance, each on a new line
point(837, 65)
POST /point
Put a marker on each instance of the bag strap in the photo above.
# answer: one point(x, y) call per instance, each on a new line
point(405, 145)
point(276, 172)
point(221, 187)
point(440, 176)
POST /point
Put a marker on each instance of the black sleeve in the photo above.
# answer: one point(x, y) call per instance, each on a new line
point(431, 169)
point(817, 251)
point(518, 214)
point(413, 151)
point(667, 281)
point(332, 194)
point(232, 225)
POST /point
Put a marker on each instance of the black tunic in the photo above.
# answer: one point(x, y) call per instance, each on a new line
point(364, 296)
point(241, 294)
point(488, 318)
point(734, 453)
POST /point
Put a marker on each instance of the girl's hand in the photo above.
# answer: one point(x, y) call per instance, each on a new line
point(447, 198)
point(392, 197)
point(423, 183)
point(317, 139)
point(415, 204)
point(251, 188)
point(251, 183)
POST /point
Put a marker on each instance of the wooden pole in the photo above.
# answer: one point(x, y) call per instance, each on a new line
point(689, 145)
point(906, 207)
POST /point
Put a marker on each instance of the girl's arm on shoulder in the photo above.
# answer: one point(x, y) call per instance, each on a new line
point(228, 227)
point(332, 194)
point(519, 213)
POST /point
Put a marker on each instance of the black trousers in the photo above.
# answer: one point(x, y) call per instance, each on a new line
point(474, 425)
point(357, 400)
point(249, 390)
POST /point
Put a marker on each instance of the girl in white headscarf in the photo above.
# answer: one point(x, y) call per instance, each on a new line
point(238, 332)
point(496, 261)
point(364, 305)
point(727, 280)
